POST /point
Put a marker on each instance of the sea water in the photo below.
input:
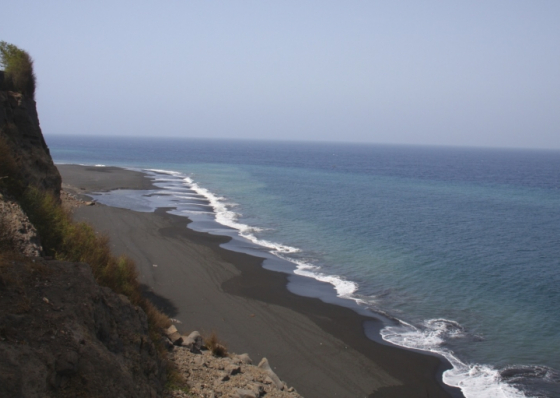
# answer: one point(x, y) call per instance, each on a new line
point(459, 247)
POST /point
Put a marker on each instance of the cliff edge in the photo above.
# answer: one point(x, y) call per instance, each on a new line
point(20, 129)
point(62, 334)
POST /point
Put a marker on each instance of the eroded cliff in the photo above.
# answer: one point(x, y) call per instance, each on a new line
point(62, 334)
point(20, 129)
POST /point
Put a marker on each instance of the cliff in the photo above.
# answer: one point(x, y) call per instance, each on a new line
point(62, 334)
point(20, 129)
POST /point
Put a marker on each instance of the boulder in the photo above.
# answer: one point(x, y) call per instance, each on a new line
point(243, 358)
point(170, 330)
point(264, 365)
point(176, 338)
point(194, 342)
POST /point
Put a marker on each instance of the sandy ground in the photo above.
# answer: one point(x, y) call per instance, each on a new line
point(318, 348)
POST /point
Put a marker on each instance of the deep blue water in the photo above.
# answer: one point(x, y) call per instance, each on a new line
point(461, 245)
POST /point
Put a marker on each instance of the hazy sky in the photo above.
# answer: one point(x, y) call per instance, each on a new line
point(478, 73)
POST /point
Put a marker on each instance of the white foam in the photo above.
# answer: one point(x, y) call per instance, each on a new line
point(182, 196)
point(161, 171)
point(160, 180)
point(474, 380)
point(100, 165)
point(344, 288)
point(225, 216)
point(195, 212)
point(176, 193)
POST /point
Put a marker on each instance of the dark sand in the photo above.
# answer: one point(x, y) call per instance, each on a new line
point(318, 348)
point(84, 179)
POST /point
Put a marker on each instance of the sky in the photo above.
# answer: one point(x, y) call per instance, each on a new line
point(470, 73)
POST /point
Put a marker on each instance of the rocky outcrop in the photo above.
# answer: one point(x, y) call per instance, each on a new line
point(19, 127)
point(233, 376)
point(16, 231)
point(63, 335)
point(227, 375)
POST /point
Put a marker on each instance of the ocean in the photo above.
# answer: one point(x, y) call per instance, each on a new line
point(457, 249)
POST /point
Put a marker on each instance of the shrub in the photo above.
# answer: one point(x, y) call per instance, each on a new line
point(216, 346)
point(66, 240)
point(18, 70)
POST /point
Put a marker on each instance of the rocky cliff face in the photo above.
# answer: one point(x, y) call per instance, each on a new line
point(19, 127)
point(16, 231)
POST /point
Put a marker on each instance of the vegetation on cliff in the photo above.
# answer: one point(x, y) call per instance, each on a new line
point(18, 74)
point(64, 239)
point(30, 183)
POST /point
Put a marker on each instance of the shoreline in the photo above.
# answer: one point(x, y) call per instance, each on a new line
point(319, 348)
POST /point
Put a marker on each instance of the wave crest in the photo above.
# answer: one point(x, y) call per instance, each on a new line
point(474, 380)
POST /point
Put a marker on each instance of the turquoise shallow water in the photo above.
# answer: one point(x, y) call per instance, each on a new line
point(461, 245)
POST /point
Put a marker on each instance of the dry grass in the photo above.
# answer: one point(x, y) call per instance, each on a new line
point(64, 239)
point(216, 346)
point(67, 240)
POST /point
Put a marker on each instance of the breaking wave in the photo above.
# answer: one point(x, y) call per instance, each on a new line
point(474, 380)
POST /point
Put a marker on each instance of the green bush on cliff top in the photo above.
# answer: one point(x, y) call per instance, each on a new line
point(18, 70)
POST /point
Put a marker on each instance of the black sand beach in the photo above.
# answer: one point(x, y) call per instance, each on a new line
point(318, 348)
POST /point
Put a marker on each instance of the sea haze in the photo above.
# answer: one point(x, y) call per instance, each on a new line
point(461, 246)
